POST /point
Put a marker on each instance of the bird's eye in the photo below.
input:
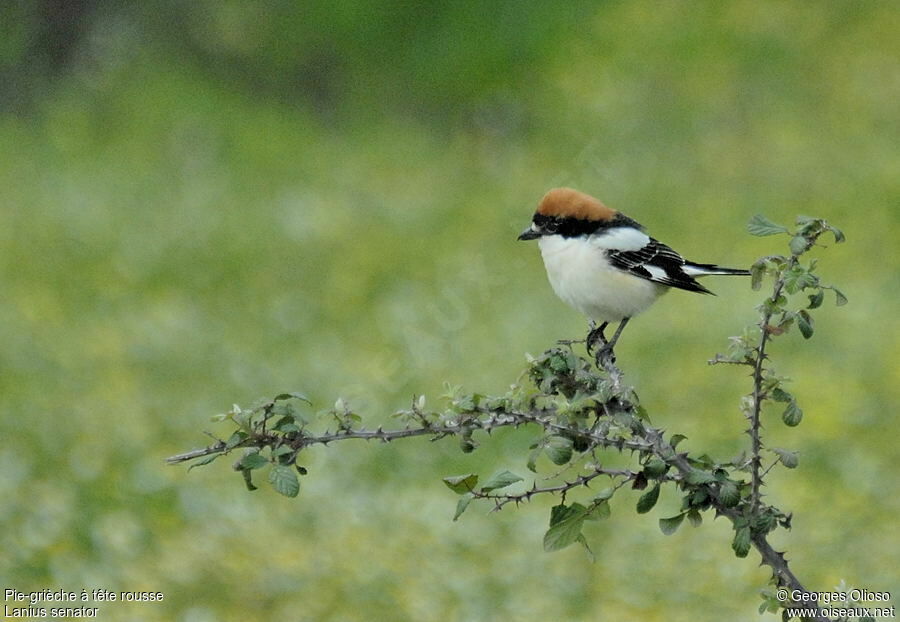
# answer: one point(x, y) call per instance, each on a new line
point(551, 226)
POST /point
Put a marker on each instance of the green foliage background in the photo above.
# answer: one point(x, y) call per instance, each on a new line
point(210, 202)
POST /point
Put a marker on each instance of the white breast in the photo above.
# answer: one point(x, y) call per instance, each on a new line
point(582, 277)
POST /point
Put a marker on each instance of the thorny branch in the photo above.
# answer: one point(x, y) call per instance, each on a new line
point(756, 409)
point(644, 439)
point(585, 408)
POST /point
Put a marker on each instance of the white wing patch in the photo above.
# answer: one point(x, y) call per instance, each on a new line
point(657, 273)
point(620, 239)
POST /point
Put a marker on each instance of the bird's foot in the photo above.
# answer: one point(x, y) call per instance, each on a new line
point(604, 354)
point(596, 337)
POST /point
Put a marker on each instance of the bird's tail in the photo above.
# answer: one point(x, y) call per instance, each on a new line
point(704, 269)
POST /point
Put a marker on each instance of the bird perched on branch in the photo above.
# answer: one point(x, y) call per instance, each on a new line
point(602, 263)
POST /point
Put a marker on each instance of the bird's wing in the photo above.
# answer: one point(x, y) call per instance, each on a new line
point(658, 263)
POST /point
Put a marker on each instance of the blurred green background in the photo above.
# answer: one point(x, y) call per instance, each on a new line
point(204, 203)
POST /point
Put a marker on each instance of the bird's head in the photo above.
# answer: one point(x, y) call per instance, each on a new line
point(567, 212)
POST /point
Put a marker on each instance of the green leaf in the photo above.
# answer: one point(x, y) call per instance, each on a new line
point(798, 245)
point(816, 300)
point(729, 494)
point(676, 438)
point(235, 439)
point(462, 504)
point(584, 544)
point(741, 542)
point(792, 414)
point(697, 477)
point(757, 272)
point(670, 525)
point(788, 458)
point(204, 461)
point(598, 511)
point(648, 500)
point(565, 526)
point(461, 484)
point(253, 461)
point(284, 480)
point(559, 450)
point(805, 323)
point(838, 234)
point(799, 279)
point(839, 298)
point(500, 480)
point(760, 225)
point(780, 395)
point(532, 458)
point(283, 450)
point(698, 497)
point(641, 413)
point(560, 512)
point(292, 394)
point(769, 603)
point(286, 425)
point(694, 518)
point(654, 468)
point(466, 443)
point(776, 305)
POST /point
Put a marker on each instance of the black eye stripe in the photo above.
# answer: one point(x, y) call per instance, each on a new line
point(573, 227)
point(543, 222)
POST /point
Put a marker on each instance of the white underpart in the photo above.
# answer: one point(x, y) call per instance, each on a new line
point(582, 277)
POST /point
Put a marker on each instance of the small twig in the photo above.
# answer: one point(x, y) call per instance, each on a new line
point(216, 448)
point(770, 467)
point(719, 359)
point(758, 396)
point(501, 499)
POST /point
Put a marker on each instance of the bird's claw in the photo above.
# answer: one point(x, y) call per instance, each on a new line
point(603, 354)
point(596, 336)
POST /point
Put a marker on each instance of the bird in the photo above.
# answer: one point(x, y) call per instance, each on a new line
point(603, 263)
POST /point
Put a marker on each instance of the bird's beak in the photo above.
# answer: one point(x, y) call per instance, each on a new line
point(529, 234)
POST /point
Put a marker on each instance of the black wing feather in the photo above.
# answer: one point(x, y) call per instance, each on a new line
point(660, 256)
